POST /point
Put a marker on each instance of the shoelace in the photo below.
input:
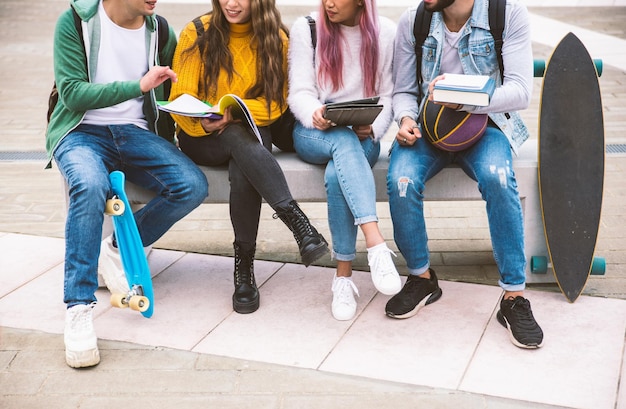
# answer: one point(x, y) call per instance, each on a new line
point(523, 314)
point(342, 286)
point(81, 319)
point(379, 263)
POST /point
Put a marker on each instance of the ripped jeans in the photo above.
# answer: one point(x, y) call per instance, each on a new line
point(489, 162)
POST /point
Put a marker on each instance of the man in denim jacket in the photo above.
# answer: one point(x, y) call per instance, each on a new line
point(106, 119)
point(460, 42)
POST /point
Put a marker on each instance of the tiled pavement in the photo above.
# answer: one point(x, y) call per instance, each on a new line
point(195, 352)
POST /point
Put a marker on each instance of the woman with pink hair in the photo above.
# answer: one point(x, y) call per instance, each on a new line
point(349, 58)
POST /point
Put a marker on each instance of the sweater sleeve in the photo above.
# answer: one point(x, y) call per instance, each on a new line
point(385, 81)
point(187, 65)
point(303, 96)
point(404, 69)
point(516, 91)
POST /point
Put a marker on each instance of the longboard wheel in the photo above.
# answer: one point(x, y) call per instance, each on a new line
point(139, 303)
point(114, 207)
point(119, 300)
point(538, 264)
point(598, 267)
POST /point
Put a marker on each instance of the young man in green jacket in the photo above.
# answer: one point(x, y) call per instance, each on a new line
point(109, 74)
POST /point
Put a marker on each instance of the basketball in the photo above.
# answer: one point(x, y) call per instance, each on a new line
point(451, 130)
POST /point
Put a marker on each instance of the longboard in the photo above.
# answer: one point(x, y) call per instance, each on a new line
point(140, 296)
point(571, 164)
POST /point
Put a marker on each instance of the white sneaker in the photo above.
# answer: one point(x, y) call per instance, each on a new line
point(81, 343)
point(111, 269)
point(344, 304)
point(384, 274)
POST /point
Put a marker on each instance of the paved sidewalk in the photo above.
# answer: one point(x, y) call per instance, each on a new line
point(188, 371)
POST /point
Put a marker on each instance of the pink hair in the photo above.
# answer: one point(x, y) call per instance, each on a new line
point(330, 42)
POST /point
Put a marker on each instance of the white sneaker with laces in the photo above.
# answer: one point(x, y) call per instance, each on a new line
point(344, 304)
point(81, 343)
point(111, 269)
point(384, 274)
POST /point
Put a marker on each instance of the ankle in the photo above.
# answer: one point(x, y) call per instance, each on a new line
point(511, 295)
point(379, 246)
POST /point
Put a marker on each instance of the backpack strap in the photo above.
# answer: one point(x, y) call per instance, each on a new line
point(199, 31)
point(497, 9)
point(313, 29)
point(421, 28)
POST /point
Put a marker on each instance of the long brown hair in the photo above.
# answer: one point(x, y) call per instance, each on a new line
point(266, 38)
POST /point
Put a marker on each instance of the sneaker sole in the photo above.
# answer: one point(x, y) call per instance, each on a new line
point(434, 296)
point(502, 320)
point(82, 359)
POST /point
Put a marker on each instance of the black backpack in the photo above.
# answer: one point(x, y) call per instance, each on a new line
point(421, 27)
point(162, 39)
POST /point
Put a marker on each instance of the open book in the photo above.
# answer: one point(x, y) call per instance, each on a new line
point(188, 105)
point(464, 89)
point(357, 112)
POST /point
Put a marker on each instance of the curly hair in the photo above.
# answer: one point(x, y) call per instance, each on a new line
point(266, 39)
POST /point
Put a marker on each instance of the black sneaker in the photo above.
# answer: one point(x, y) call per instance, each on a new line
point(416, 293)
point(516, 316)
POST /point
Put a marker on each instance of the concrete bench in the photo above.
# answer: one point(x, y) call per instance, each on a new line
point(451, 184)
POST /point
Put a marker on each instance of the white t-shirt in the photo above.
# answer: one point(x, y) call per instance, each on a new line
point(122, 57)
point(450, 60)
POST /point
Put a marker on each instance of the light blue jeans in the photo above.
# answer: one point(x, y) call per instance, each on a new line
point(348, 179)
point(85, 157)
point(489, 162)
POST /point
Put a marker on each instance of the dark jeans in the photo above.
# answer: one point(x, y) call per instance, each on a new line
point(253, 172)
point(85, 157)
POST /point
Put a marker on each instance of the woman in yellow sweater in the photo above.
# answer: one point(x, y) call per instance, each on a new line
point(240, 48)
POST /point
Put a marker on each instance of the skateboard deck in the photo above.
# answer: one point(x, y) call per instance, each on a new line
point(141, 296)
point(571, 163)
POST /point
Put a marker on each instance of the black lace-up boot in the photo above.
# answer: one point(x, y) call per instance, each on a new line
point(246, 295)
point(312, 245)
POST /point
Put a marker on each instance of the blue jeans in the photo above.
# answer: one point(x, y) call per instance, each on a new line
point(85, 157)
point(349, 181)
point(489, 162)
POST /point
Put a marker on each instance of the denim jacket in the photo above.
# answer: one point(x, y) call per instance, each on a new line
point(478, 56)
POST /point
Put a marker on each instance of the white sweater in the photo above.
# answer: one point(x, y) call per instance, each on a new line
point(306, 95)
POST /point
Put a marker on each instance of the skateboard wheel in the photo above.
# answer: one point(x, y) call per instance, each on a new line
point(538, 264)
point(598, 267)
point(119, 300)
point(114, 207)
point(139, 303)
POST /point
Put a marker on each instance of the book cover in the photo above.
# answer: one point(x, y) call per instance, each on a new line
point(357, 112)
point(188, 105)
point(464, 89)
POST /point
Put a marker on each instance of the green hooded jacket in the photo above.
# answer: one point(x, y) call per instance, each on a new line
point(75, 65)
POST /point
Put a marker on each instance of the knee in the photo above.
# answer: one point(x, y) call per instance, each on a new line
point(90, 188)
point(331, 180)
point(400, 183)
point(194, 187)
point(496, 178)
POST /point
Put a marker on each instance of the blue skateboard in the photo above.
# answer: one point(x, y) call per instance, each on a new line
point(140, 296)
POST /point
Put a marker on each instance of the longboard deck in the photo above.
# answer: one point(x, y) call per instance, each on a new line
point(571, 163)
point(131, 247)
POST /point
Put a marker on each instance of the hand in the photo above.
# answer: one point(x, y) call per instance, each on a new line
point(408, 133)
point(431, 88)
point(155, 77)
point(362, 131)
point(217, 125)
point(319, 122)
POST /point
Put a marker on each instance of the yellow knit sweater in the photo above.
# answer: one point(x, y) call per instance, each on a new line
point(188, 67)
